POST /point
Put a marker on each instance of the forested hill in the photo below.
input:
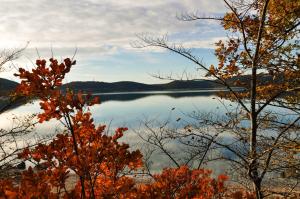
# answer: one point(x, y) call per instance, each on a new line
point(6, 86)
point(127, 86)
point(124, 86)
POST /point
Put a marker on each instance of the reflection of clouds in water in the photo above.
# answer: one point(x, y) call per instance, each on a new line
point(44, 129)
point(158, 160)
point(131, 114)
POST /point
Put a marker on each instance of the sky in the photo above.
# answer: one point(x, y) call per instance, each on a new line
point(103, 31)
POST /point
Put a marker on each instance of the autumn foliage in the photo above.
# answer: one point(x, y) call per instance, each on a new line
point(276, 56)
point(103, 165)
point(184, 183)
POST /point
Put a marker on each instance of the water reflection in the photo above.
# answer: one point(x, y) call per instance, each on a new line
point(132, 109)
point(129, 96)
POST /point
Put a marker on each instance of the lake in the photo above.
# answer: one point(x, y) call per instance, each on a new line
point(132, 110)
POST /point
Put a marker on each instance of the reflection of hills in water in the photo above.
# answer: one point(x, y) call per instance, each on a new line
point(122, 96)
point(130, 96)
point(127, 90)
point(6, 104)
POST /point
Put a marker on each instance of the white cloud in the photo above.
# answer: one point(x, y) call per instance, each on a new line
point(205, 43)
point(104, 24)
point(102, 30)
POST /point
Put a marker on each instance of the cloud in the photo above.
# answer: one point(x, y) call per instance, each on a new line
point(102, 32)
point(104, 24)
point(206, 43)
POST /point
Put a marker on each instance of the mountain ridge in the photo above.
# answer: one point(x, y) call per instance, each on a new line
point(130, 86)
point(6, 86)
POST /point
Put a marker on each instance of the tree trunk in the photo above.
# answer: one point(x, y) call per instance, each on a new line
point(253, 166)
point(257, 188)
point(254, 163)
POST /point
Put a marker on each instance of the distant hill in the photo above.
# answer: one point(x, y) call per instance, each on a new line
point(127, 86)
point(104, 87)
point(6, 86)
point(191, 84)
point(262, 79)
point(123, 86)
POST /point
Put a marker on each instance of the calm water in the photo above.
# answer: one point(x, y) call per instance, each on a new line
point(132, 110)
